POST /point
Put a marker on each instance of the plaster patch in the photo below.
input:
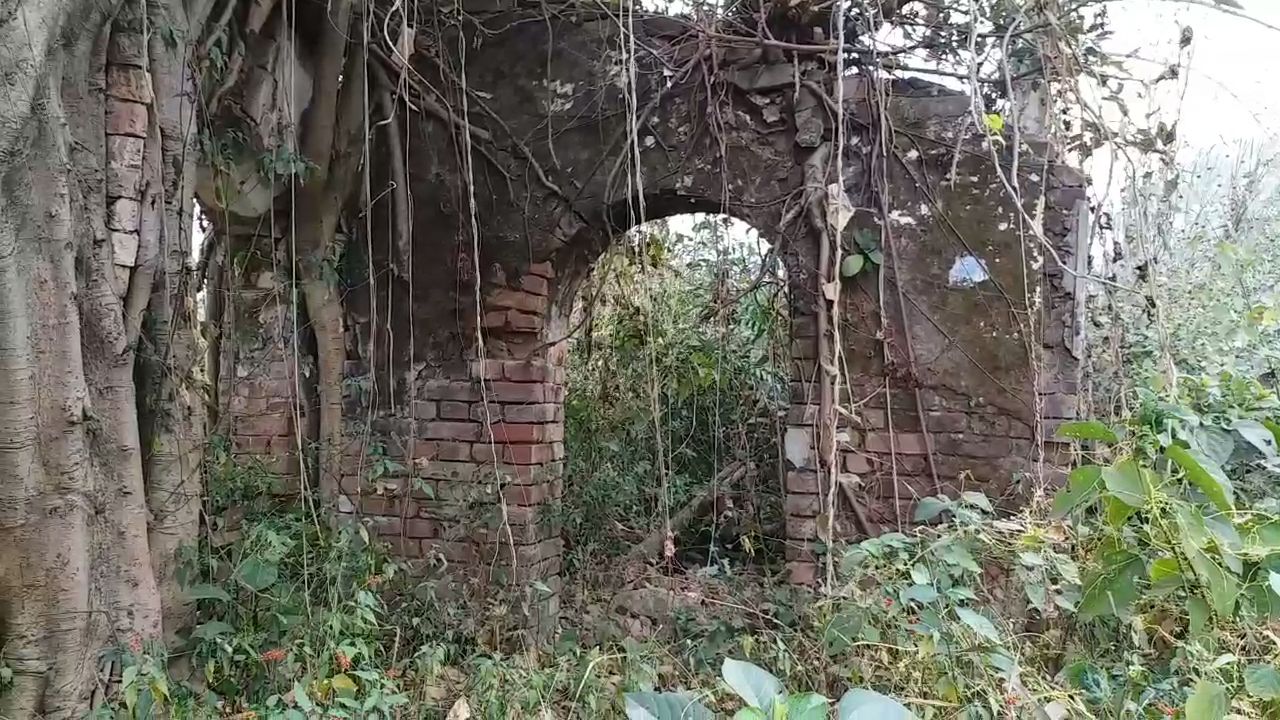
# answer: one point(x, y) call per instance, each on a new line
point(967, 271)
point(798, 446)
point(901, 218)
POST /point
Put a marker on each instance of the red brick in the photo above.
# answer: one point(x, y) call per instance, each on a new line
point(451, 550)
point(525, 371)
point(129, 83)
point(802, 349)
point(124, 214)
point(802, 481)
point(486, 369)
point(797, 505)
point(802, 573)
point(509, 392)
point(516, 300)
point(542, 269)
point(454, 410)
point(528, 495)
point(123, 181)
point(531, 413)
point(453, 451)
point(528, 454)
point(127, 48)
point(263, 424)
point(946, 422)
point(486, 453)
point(494, 319)
point(801, 528)
point(857, 463)
point(534, 284)
point(553, 432)
point(126, 118)
point(904, 443)
point(504, 432)
point(424, 410)
point(1059, 405)
point(463, 390)
point(125, 152)
point(404, 547)
point(523, 322)
point(421, 528)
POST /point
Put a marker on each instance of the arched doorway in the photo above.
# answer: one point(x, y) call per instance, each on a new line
point(676, 392)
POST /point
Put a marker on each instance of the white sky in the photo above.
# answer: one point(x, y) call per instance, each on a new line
point(1233, 87)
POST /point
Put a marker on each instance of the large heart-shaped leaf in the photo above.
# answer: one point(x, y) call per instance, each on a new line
point(1207, 702)
point(979, 624)
point(1257, 435)
point(1082, 487)
point(1113, 589)
point(807, 706)
point(756, 686)
point(1124, 482)
point(665, 706)
point(871, 705)
point(1087, 430)
point(1205, 475)
point(1262, 681)
point(257, 575)
point(1221, 583)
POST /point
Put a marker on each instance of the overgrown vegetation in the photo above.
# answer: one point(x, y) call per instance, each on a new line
point(677, 372)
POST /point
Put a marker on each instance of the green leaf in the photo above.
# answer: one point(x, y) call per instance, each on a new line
point(923, 594)
point(207, 592)
point(931, 507)
point(665, 706)
point(977, 499)
point(343, 685)
point(807, 706)
point(257, 575)
point(959, 555)
point(979, 624)
point(1262, 681)
point(211, 630)
point(1257, 435)
point(1207, 702)
point(1273, 579)
point(1087, 430)
point(1205, 475)
point(871, 705)
point(1113, 588)
point(1082, 486)
point(301, 697)
point(1118, 511)
point(750, 713)
point(1216, 443)
point(1222, 585)
point(852, 265)
point(756, 686)
point(1165, 571)
point(1124, 482)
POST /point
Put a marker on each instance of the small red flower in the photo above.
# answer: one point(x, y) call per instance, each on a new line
point(1010, 699)
point(135, 644)
point(374, 581)
point(1167, 709)
point(888, 603)
point(344, 662)
point(393, 673)
point(274, 655)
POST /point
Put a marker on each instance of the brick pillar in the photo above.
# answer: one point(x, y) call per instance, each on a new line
point(259, 370)
point(477, 452)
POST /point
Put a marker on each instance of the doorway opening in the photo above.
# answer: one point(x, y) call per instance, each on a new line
point(676, 394)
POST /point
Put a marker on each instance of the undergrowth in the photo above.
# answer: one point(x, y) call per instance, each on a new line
point(1149, 590)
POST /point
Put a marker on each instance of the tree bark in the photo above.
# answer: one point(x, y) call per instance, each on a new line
point(79, 571)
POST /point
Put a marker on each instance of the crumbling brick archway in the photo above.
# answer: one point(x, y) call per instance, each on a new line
point(457, 284)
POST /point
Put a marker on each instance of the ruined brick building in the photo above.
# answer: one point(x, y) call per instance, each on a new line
point(949, 371)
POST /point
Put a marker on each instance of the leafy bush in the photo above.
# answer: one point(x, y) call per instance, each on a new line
point(676, 370)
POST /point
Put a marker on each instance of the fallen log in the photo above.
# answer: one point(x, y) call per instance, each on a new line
point(656, 541)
